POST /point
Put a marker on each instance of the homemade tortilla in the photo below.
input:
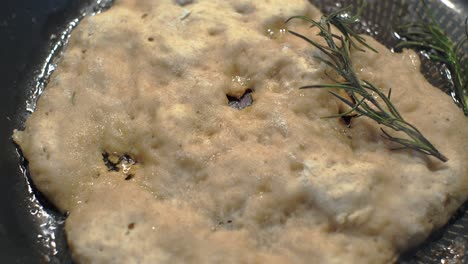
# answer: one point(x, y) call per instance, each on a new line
point(134, 136)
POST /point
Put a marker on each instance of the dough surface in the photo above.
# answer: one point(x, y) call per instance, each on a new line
point(135, 138)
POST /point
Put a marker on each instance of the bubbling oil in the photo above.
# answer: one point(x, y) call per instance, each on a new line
point(48, 221)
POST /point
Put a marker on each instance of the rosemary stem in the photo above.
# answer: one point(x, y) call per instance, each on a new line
point(337, 53)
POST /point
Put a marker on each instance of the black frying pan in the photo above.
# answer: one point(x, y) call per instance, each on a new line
point(30, 227)
point(26, 27)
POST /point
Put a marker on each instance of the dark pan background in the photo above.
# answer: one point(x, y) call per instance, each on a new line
point(26, 27)
point(25, 30)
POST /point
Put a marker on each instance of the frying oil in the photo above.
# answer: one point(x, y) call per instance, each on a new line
point(48, 221)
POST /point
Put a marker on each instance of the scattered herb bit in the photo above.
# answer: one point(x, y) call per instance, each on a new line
point(427, 35)
point(73, 98)
point(361, 92)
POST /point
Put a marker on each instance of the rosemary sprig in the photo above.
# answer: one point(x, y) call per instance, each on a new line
point(361, 92)
point(428, 36)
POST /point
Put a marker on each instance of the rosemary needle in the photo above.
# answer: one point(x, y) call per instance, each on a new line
point(361, 92)
point(427, 35)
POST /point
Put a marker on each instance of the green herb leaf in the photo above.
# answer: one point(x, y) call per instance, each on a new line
point(428, 36)
point(362, 99)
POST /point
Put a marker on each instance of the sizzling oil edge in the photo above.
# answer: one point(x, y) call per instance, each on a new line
point(447, 245)
point(48, 221)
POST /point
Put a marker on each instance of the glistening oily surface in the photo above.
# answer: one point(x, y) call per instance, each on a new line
point(193, 180)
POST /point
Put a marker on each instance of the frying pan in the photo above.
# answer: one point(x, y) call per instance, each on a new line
point(30, 227)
